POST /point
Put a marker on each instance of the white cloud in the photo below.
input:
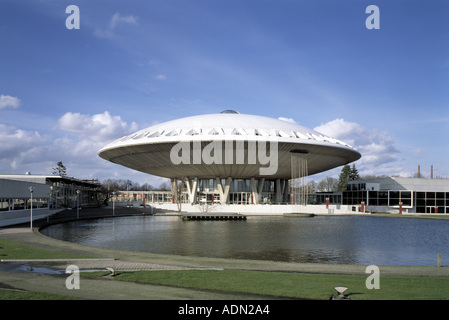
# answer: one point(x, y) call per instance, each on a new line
point(88, 134)
point(287, 119)
point(115, 20)
point(98, 127)
point(22, 150)
point(19, 147)
point(14, 141)
point(341, 129)
point(161, 77)
point(377, 147)
point(9, 102)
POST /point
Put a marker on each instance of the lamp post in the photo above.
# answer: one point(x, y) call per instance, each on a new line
point(113, 203)
point(50, 205)
point(77, 204)
point(31, 208)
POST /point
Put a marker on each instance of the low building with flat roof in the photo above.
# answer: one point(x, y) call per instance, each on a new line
point(48, 192)
point(399, 195)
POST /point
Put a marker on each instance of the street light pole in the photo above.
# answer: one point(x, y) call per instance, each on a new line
point(31, 208)
point(77, 204)
point(113, 203)
point(50, 205)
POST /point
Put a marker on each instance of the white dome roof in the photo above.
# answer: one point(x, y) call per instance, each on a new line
point(226, 125)
point(148, 150)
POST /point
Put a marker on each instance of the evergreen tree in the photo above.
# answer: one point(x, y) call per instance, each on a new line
point(354, 174)
point(344, 177)
point(60, 169)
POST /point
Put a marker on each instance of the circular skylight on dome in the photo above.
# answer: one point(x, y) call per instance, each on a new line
point(230, 111)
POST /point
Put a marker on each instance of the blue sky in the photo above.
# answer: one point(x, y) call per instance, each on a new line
point(66, 93)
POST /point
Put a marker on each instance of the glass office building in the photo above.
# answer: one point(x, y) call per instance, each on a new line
point(414, 195)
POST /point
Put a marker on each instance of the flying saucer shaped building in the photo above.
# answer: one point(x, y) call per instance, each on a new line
point(229, 153)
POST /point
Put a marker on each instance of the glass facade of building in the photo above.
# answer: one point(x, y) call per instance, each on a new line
point(423, 202)
point(23, 204)
point(240, 192)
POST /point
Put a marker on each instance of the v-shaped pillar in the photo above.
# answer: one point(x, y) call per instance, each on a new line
point(191, 189)
point(256, 190)
point(281, 189)
point(224, 194)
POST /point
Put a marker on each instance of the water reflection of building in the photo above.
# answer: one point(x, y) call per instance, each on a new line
point(48, 193)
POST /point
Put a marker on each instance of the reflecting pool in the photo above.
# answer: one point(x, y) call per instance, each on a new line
point(322, 239)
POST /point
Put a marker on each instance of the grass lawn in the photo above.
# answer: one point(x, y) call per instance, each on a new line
point(14, 250)
point(293, 285)
point(27, 295)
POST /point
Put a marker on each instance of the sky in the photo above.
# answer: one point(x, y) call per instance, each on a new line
point(67, 92)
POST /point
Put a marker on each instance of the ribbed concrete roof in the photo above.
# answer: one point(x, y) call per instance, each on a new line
point(148, 150)
point(223, 126)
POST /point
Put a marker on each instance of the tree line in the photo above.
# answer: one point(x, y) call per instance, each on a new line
point(128, 185)
point(330, 184)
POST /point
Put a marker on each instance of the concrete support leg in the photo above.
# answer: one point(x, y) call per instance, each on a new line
point(254, 193)
point(191, 189)
point(224, 193)
point(220, 188)
point(260, 188)
point(278, 191)
point(174, 189)
point(257, 189)
point(286, 197)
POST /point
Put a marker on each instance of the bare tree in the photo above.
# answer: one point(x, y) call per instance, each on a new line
point(327, 184)
point(177, 188)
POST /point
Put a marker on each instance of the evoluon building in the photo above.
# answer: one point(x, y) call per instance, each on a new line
point(231, 158)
